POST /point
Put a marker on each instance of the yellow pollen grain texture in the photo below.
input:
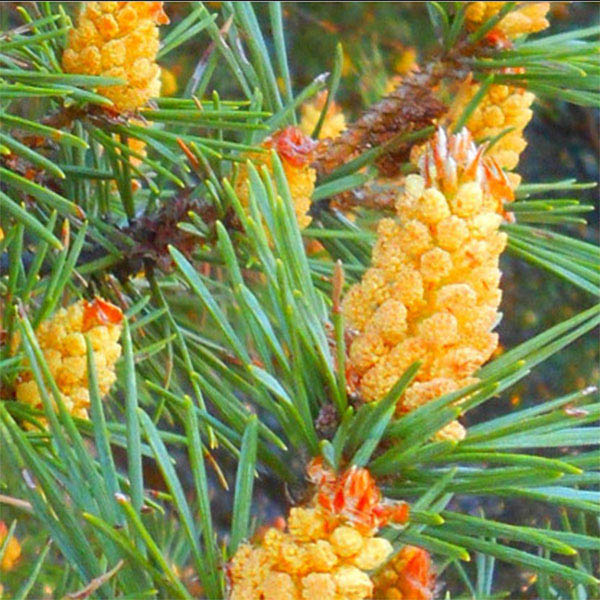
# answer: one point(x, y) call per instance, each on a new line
point(327, 550)
point(293, 148)
point(432, 291)
point(12, 553)
point(503, 107)
point(407, 576)
point(61, 339)
point(118, 39)
point(312, 559)
point(333, 124)
point(528, 17)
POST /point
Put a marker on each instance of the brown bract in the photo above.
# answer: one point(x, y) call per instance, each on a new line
point(155, 233)
point(410, 107)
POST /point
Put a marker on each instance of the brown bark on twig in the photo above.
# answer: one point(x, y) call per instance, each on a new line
point(412, 106)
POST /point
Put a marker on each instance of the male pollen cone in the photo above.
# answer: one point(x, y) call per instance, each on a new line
point(118, 39)
point(295, 149)
point(503, 106)
point(329, 546)
point(62, 341)
point(432, 291)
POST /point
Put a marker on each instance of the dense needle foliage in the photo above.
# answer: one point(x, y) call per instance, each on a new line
point(249, 332)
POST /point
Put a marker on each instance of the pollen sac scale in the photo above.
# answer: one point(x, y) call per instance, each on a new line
point(327, 548)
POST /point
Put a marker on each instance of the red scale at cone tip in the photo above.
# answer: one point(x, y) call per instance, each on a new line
point(100, 312)
point(293, 145)
point(354, 496)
